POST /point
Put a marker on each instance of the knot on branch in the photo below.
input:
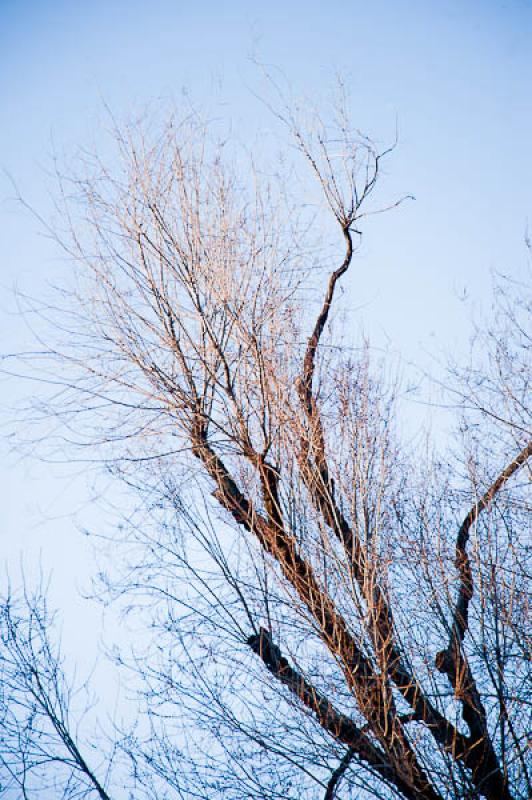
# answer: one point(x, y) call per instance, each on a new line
point(444, 662)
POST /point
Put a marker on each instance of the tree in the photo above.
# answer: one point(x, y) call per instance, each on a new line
point(327, 612)
point(39, 749)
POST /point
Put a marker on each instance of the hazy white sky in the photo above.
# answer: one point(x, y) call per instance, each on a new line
point(456, 76)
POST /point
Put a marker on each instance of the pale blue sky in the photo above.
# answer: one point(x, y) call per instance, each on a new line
point(456, 75)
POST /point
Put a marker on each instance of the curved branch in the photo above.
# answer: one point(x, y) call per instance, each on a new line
point(462, 563)
point(453, 662)
point(305, 386)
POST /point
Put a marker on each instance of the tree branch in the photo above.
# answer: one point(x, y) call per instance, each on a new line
point(314, 339)
point(369, 688)
point(454, 663)
point(316, 476)
point(338, 774)
point(333, 721)
point(462, 562)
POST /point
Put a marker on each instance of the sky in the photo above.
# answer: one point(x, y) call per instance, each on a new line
point(454, 77)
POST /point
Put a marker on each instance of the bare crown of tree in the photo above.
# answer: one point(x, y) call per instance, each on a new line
point(329, 614)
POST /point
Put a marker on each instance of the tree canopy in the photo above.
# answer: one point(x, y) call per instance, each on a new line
point(327, 609)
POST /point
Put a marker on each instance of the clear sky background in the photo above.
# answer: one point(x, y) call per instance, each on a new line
point(456, 75)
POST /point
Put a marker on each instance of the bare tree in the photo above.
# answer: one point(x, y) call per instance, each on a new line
point(328, 614)
point(40, 711)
